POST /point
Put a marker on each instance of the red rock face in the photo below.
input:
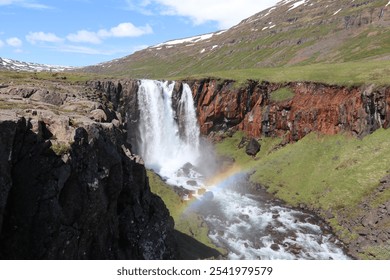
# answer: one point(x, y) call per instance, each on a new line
point(315, 107)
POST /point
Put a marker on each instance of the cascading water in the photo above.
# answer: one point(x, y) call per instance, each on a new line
point(161, 144)
point(248, 225)
point(190, 127)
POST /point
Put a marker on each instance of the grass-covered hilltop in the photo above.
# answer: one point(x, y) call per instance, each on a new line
point(331, 41)
point(309, 80)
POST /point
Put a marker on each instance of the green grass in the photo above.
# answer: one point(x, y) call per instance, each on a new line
point(330, 172)
point(189, 223)
point(327, 173)
point(282, 94)
point(349, 73)
point(229, 147)
point(377, 252)
point(60, 148)
point(31, 77)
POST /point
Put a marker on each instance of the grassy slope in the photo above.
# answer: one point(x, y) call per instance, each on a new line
point(346, 73)
point(330, 173)
point(31, 77)
point(349, 73)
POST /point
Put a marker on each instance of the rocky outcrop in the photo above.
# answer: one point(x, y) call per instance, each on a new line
point(371, 224)
point(222, 105)
point(314, 107)
point(70, 186)
point(123, 97)
point(253, 147)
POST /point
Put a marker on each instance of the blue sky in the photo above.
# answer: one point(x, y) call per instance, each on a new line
point(86, 32)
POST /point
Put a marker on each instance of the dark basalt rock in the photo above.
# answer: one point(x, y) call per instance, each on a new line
point(253, 147)
point(94, 202)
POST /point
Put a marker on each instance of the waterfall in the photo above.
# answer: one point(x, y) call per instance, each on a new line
point(249, 225)
point(187, 110)
point(162, 145)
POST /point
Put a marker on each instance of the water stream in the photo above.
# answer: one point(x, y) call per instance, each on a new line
point(250, 225)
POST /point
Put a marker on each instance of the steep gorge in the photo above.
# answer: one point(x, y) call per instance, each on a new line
point(70, 178)
point(260, 109)
point(313, 107)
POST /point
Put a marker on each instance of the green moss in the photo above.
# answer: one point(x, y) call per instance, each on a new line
point(60, 148)
point(282, 94)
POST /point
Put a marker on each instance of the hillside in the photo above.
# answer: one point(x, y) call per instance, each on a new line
point(292, 33)
point(16, 65)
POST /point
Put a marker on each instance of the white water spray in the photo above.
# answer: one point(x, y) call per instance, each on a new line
point(161, 145)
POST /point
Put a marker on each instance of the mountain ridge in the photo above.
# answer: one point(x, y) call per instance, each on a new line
point(290, 33)
point(16, 65)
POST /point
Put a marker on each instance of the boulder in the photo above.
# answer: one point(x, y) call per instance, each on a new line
point(98, 115)
point(253, 147)
point(370, 220)
point(243, 142)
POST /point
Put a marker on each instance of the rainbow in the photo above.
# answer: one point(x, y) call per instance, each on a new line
point(215, 184)
point(222, 176)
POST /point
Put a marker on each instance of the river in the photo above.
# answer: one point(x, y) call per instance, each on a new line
point(249, 224)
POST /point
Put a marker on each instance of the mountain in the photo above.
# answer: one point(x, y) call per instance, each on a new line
point(15, 65)
point(291, 33)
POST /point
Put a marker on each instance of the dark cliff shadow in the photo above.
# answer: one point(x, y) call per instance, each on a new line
point(191, 249)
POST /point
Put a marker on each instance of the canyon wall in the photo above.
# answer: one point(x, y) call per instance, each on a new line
point(315, 107)
point(70, 186)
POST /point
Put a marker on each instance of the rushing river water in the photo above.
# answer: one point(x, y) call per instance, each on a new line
point(254, 226)
point(250, 225)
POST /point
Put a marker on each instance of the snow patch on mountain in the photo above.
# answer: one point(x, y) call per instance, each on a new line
point(16, 65)
point(191, 40)
point(297, 4)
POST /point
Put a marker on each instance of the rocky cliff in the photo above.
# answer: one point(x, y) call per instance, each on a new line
point(70, 186)
point(263, 109)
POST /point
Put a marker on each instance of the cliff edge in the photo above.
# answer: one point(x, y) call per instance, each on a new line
point(70, 187)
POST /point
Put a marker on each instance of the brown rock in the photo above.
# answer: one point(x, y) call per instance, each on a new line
point(253, 147)
point(371, 219)
point(314, 107)
point(98, 115)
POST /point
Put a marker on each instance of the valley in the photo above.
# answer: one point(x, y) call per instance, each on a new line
point(160, 168)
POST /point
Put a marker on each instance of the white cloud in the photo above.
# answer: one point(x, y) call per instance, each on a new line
point(82, 50)
point(139, 6)
point(225, 12)
point(84, 36)
point(8, 2)
point(94, 51)
point(36, 37)
point(126, 29)
point(14, 42)
point(24, 3)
